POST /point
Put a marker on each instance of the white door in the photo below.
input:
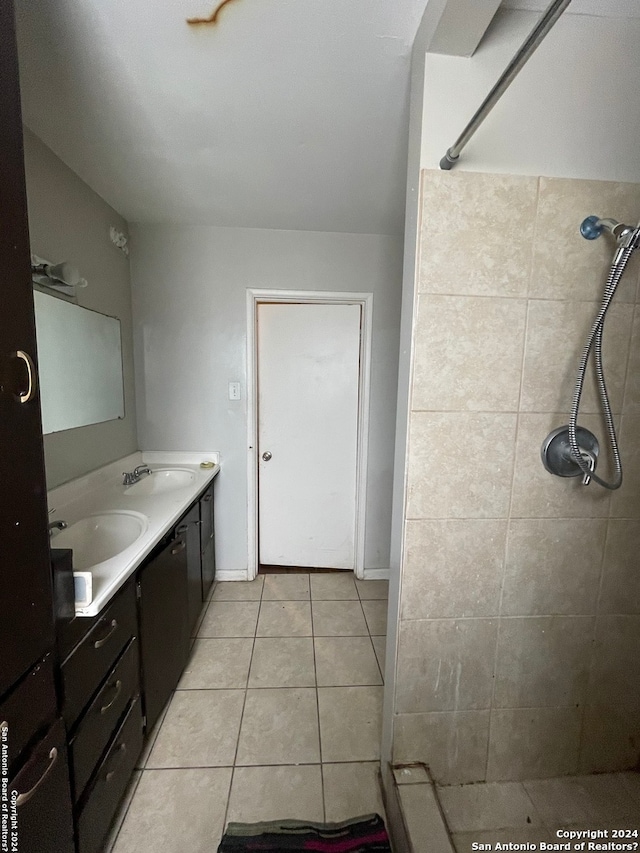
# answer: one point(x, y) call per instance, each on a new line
point(308, 377)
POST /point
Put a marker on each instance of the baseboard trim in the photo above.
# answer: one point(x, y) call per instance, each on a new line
point(232, 575)
point(376, 574)
point(242, 574)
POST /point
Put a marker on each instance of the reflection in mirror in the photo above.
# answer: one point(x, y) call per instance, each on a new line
point(80, 364)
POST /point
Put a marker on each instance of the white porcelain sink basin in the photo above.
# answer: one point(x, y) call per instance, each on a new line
point(162, 480)
point(99, 537)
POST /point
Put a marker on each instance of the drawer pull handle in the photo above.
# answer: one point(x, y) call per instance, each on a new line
point(118, 686)
point(179, 548)
point(208, 497)
point(184, 527)
point(120, 752)
point(21, 799)
point(100, 643)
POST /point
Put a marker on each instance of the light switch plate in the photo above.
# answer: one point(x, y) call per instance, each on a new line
point(234, 390)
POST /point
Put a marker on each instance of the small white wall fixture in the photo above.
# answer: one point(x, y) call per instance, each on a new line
point(255, 296)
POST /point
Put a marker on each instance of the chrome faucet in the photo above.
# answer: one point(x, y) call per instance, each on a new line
point(57, 525)
point(131, 477)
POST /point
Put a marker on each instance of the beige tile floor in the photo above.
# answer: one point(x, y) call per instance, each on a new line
point(536, 810)
point(277, 715)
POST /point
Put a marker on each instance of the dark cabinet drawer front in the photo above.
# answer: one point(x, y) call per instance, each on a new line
point(100, 720)
point(89, 663)
point(29, 708)
point(44, 815)
point(206, 518)
point(110, 782)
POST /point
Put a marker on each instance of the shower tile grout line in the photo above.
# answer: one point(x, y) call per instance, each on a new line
point(592, 655)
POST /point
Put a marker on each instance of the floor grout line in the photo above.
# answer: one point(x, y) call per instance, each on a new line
point(244, 704)
point(315, 673)
point(276, 764)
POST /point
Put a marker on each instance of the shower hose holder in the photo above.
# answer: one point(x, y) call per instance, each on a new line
point(558, 459)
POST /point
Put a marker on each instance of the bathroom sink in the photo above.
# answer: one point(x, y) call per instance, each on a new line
point(99, 537)
point(162, 480)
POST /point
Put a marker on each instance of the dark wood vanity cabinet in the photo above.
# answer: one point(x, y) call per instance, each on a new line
point(164, 623)
point(100, 677)
point(118, 670)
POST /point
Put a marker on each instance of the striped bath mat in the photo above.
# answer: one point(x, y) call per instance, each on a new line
point(359, 835)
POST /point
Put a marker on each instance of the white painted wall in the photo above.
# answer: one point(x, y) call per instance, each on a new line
point(573, 111)
point(189, 305)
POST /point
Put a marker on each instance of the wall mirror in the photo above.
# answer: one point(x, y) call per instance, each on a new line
point(79, 363)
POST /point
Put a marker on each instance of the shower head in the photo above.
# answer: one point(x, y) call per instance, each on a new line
point(592, 227)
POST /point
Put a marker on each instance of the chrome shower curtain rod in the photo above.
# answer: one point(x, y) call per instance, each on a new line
point(534, 39)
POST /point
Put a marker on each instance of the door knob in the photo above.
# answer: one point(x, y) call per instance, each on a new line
point(267, 455)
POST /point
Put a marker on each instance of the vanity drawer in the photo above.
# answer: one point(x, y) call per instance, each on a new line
point(30, 706)
point(101, 718)
point(91, 660)
point(110, 782)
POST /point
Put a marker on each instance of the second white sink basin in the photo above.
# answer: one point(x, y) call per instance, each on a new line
point(162, 480)
point(99, 537)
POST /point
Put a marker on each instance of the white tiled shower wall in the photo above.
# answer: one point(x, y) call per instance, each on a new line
point(519, 637)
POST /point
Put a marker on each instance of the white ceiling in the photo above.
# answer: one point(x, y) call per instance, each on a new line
point(286, 114)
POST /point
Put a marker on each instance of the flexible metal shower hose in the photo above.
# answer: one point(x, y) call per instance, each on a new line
point(594, 342)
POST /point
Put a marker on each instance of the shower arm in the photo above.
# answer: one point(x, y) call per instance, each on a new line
point(534, 39)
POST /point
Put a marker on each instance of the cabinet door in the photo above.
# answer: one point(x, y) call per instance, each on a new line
point(207, 534)
point(164, 627)
point(43, 798)
point(26, 624)
point(208, 568)
point(190, 527)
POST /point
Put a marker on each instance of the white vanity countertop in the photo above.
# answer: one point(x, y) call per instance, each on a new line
point(103, 491)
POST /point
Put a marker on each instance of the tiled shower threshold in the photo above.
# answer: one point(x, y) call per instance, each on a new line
point(602, 810)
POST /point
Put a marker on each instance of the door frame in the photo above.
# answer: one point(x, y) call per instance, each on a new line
point(256, 296)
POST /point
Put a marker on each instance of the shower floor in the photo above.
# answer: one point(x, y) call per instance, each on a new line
point(546, 810)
